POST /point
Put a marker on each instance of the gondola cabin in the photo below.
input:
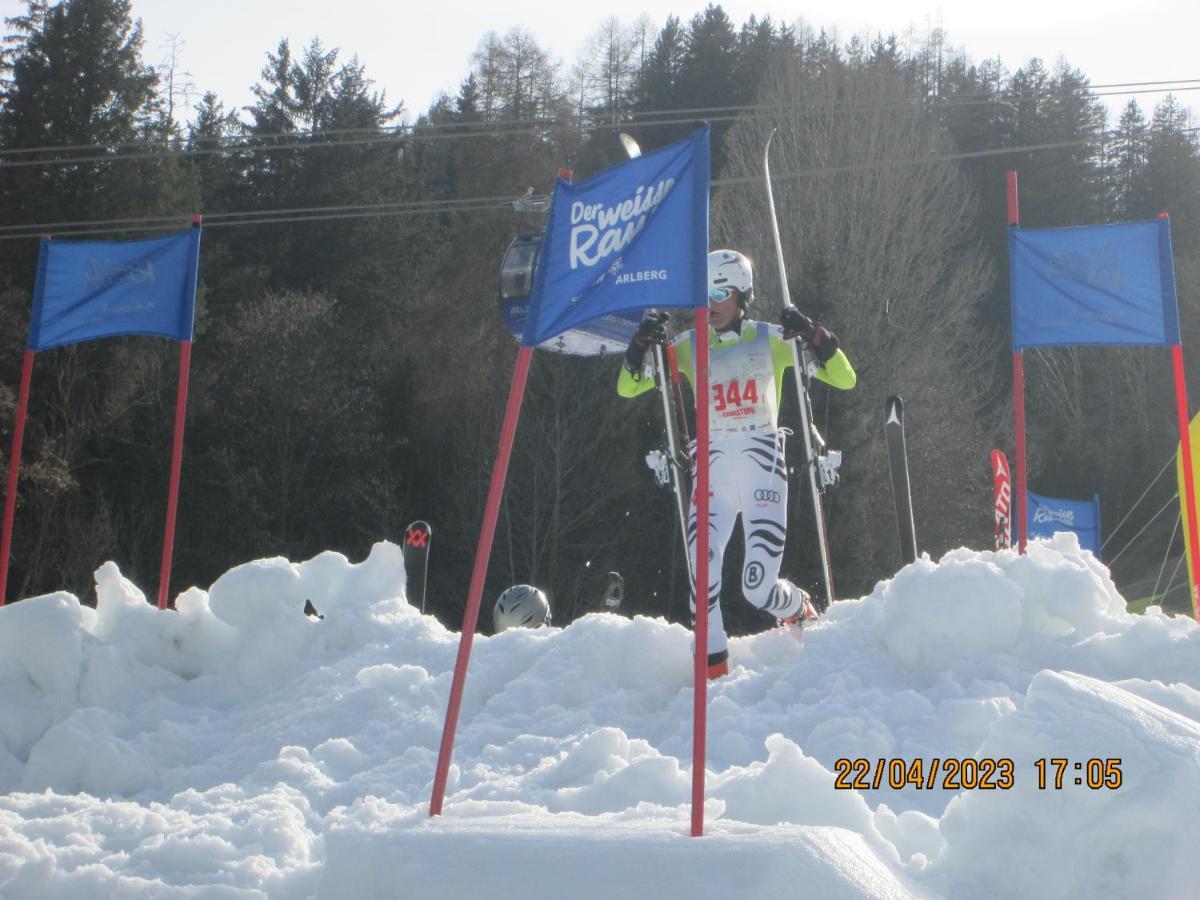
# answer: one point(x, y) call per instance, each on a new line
point(603, 335)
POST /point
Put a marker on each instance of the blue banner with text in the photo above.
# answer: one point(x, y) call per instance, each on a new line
point(94, 289)
point(1048, 515)
point(634, 237)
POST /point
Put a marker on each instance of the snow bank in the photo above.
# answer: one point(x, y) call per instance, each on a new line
point(1131, 841)
point(237, 747)
point(514, 851)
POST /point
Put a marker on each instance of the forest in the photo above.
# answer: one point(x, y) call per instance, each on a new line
point(351, 366)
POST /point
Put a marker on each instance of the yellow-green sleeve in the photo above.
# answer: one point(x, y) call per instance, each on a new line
point(632, 384)
point(837, 372)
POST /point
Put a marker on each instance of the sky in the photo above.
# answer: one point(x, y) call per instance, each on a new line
point(416, 56)
point(235, 748)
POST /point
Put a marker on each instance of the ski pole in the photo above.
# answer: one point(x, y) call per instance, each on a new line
point(678, 483)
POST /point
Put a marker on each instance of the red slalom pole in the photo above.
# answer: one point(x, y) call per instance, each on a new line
point(483, 553)
point(1189, 477)
point(185, 368)
point(700, 707)
point(14, 469)
point(1014, 209)
point(1021, 499)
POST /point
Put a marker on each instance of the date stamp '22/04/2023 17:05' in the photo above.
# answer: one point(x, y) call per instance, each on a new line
point(968, 773)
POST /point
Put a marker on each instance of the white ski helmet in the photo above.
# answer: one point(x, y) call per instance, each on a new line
point(728, 268)
point(521, 606)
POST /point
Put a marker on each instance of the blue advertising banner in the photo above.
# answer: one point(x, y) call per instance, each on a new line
point(1048, 515)
point(1098, 284)
point(94, 289)
point(634, 237)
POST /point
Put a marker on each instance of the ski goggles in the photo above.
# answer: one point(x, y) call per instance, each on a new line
point(720, 294)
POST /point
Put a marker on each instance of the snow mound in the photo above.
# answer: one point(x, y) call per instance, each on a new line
point(237, 747)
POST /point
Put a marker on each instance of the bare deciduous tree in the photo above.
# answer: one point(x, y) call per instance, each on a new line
point(516, 76)
point(605, 76)
point(878, 237)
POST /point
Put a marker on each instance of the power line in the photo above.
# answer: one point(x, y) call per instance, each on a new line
point(400, 134)
point(1149, 487)
point(628, 117)
point(220, 218)
point(863, 167)
point(470, 204)
point(1166, 555)
point(1171, 580)
point(1150, 522)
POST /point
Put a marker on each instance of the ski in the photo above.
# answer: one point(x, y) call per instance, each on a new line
point(614, 593)
point(821, 466)
point(416, 560)
point(1002, 508)
point(893, 428)
point(671, 468)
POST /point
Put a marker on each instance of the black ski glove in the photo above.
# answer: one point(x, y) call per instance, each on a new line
point(653, 330)
point(796, 324)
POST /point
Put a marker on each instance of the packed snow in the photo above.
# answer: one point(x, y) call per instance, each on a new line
point(235, 747)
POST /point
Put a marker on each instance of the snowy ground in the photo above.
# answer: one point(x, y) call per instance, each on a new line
point(237, 748)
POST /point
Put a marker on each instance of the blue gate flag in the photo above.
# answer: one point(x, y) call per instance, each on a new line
point(1096, 284)
point(1049, 515)
point(633, 237)
point(94, 289)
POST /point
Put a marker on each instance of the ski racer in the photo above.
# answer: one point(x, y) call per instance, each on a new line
point(747, 474)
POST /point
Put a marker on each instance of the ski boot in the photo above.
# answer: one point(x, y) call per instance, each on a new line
point(718, 665)
point(807, 613)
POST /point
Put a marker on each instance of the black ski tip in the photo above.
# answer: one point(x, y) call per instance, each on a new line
point(311, 611)
point(614, 593)
point(417, 535)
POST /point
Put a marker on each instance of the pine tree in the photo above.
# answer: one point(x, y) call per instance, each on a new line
point(1061, 182)
point(707, 78)
point(658, 84)
point(95, 441)
point(1172, 172)
point(209, 132)
point(331, 111)
point(77, 78)
point(758, 45)
point(1127, 165)
point(883, 250)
